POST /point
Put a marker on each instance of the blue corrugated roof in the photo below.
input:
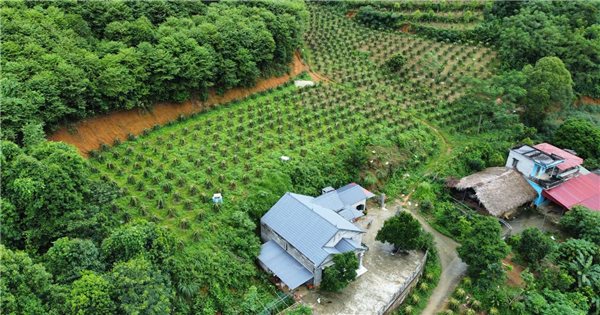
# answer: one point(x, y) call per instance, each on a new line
point(353, 193)
point(330, 200)
point(346, 245)
point(351, 214)
point(290, 271)
point(306, 226)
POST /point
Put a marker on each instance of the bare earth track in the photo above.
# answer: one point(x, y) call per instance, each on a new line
point(89, 134)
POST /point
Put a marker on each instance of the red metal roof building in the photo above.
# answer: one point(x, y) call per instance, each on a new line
point(571, 160)
point(582, 190)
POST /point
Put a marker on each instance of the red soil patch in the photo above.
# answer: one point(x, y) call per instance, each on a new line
point(90, 133)
point(513, 277)
point(350, 14)
point(588, 100)
point(405, 28)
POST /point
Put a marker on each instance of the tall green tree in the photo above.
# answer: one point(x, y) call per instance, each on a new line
point(91, 294)
point(404, 232)
point(68, 258)
point(26, 286)
point(534, 246)
point(138, 238)
point(549, 85)
point(49, 194)
point(341, 273)
point(140, 288)
point(483, 249)
point(583, 137)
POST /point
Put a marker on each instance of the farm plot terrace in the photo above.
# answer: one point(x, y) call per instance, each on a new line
point(168, 174)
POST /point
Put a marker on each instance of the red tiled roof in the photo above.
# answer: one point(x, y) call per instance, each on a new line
point(570, 159)
point(582, 190)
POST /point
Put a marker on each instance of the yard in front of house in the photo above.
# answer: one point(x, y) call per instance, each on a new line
point(373, 291)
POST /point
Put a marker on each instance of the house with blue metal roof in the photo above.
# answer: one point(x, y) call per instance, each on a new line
point(303, 233)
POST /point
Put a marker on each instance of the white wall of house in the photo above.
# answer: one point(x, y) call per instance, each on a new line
point(355, 236)
point(362, 202)
point(524, 164)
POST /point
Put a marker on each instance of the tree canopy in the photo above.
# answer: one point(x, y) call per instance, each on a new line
point(582, 136)
point(549, 84)
point(48, 193)
point(26, 286)
point(565, 29)
point(533, 246)
point(582, 223)
point(404, 232)
point(68, 60)
point(483, 249)
point(338, 276)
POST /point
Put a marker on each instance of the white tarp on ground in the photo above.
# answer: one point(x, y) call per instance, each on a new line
point(303, 83)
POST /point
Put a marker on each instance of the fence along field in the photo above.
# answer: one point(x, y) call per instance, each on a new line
point(169, 174)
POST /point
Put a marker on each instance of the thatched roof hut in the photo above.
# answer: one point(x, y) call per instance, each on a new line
point(499, 189)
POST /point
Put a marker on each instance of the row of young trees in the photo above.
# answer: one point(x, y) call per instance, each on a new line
point(523, 33)
point(68, 60)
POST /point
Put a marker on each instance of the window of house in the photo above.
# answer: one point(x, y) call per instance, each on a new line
point(514, 163)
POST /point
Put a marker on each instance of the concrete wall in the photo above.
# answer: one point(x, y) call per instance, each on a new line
point(267, 234)
point(525, 165)
point(362, 202)
point(403, 292)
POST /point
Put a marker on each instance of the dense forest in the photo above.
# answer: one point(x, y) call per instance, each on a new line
point(65, 246)
point(67, 60)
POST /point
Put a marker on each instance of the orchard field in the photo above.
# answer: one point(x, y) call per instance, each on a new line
point(169, 174)
point(408, 95)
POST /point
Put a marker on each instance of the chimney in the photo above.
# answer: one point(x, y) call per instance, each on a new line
point(327, 189)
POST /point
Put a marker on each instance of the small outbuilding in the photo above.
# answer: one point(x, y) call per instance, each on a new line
point(499, 190)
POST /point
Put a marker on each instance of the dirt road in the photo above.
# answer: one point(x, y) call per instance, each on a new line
point(452, 267)
point(89, 134)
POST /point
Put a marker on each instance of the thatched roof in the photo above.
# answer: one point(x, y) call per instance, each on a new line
point(499, 189)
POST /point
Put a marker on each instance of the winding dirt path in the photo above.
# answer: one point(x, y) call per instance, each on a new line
point(453, 268)
point(89, 134)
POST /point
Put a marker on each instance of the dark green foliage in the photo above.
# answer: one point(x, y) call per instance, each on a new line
point(68, 258)
point(549, 86)
point(140, 288)
point(338, 276)
point(74, 60)
point(404, 232)
point(483, 249)
point(48, 193)
point(582, 223)
point(396, 62)
point(25, 285)
point(565, 29)
point(583, 137)
point(138, 238)
point(533, 246)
